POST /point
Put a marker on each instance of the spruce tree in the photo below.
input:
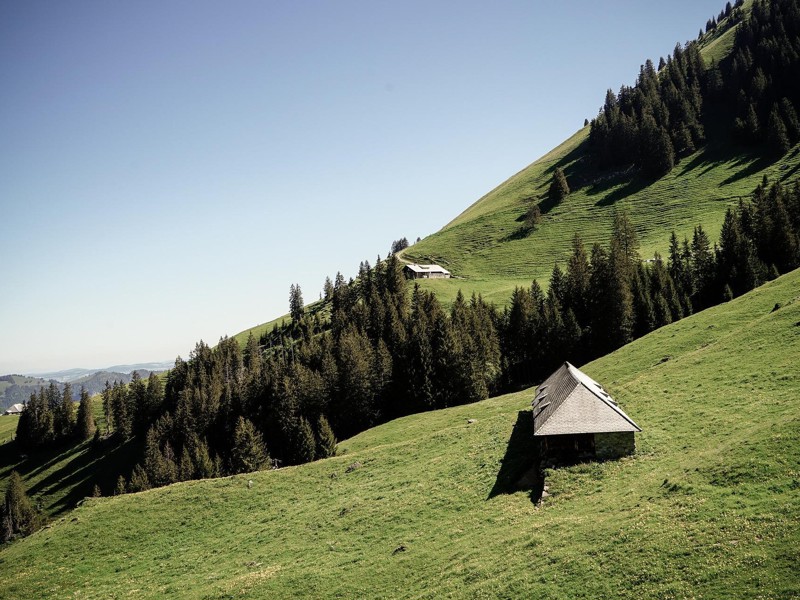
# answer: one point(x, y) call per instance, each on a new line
point(625, 241)
point(248, 453)
point(777, 135)
point(326, 441)
point(204, 465)
point(18, 511)
point(790, 119)
point(657, 154)
point(304, 442)
point(559, 189)
point(139, 481)
point(120, 410)
point(84, 426)
point(107, 406)
point(159, 460)
point(185, 466)
point(356, 402)
point(533, 217)
point(64, 415)
point(577, 281)
point(295, 302)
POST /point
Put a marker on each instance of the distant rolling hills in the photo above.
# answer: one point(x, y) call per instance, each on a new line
point(18, 388)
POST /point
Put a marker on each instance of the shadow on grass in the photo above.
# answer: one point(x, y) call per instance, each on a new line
point(754, 165)
point(788, 173)
point(707, 160)
point(636, 184)
point(520, 469)
point(84, 466)
point(103, 471)
point(520, 233)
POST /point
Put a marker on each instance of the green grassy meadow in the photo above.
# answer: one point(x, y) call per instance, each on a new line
point(8, 427)
point(488, 251)
point(58, 478)
point(707, 507)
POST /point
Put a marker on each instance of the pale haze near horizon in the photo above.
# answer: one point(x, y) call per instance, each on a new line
point(168, 169)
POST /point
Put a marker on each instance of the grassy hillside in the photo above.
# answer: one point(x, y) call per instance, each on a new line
point(708, 507)
point(57, 479)
point(8, 427)
point(487, 250)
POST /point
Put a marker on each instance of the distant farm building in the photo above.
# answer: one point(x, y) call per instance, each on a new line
point(573, 415)
point(14, 409)
point(413, 271)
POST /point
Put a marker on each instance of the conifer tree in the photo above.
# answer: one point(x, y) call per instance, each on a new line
point(657, 152)
point(185, 466)
point(19, 516)
point(85, 427)
point(577, 281)
point(356, 406)
point(159, 460)
point(248, 453)
point(64, 415)
point(777, 134)
point(121, 486)
point(326, 441)
point(107, 406)
point(559, 189)
point(305, 446)
point(790, 119)
point(295, 303)
point(35, 425)
point(702, 268)
point(139, 481)
point(533, 217)
point(625, 241)
point(204, 465)
point(121, 413)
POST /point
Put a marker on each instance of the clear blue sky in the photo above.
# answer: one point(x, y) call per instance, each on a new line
point(169, 168)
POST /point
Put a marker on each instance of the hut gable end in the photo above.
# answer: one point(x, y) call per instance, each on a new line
point(571, 402)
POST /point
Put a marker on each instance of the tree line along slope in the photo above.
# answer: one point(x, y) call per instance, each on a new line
point(425, 506)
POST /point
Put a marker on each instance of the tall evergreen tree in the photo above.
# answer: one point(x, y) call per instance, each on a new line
point(295, 302)
point(84, 426)
point(777, 134)
point(559, 189)
point(107, 406)
point(248, 452)
point(18, 515)
point(64, 415)
point(326, 441)
point(305, 446)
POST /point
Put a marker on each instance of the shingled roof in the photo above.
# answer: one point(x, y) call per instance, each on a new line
point(569, 402)
point(426, 268)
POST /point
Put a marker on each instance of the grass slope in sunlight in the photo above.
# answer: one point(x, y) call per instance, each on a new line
point(56, 479)
point(489, 251)
point(708, 507)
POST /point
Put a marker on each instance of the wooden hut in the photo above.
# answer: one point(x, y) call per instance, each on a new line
point(414, 271)
point(574, 416)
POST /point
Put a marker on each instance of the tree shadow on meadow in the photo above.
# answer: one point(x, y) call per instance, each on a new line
point(752, 167)
point(67, 474)
point(521, 467)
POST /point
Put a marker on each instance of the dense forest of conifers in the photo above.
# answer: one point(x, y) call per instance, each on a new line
point(755, 90)
point(388, 351)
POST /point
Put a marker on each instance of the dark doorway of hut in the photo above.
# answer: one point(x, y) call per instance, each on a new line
point(522, 466)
